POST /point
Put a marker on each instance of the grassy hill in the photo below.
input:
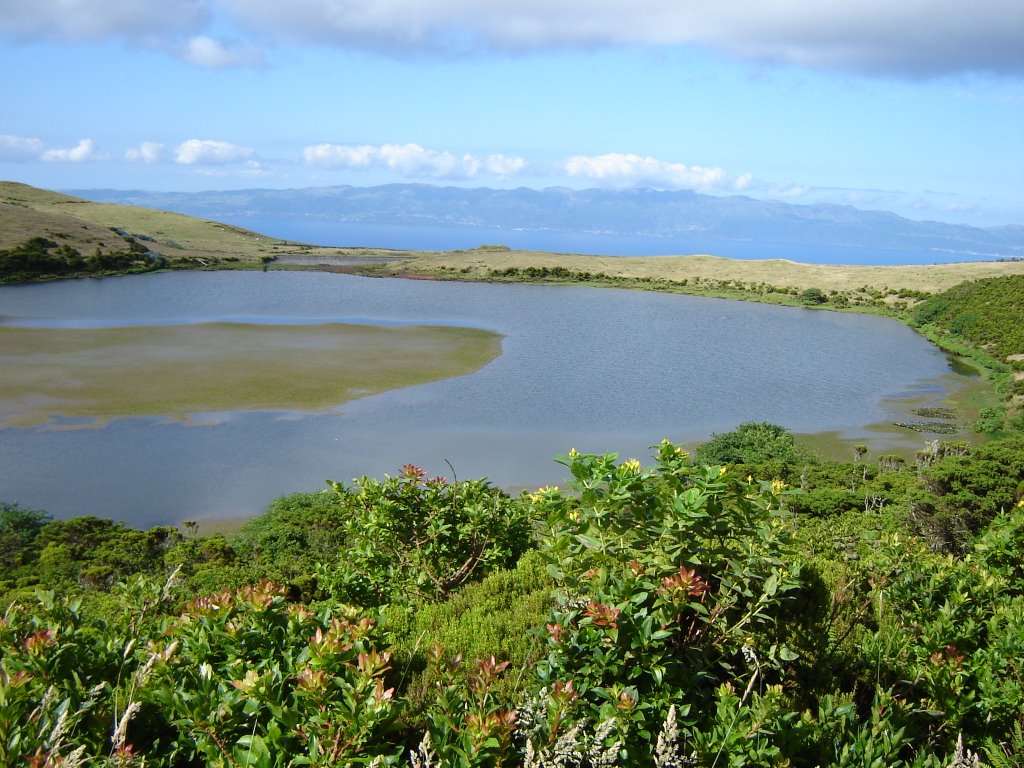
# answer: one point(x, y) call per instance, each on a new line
point(27, 212)
point(984, 314)
point(988, 313)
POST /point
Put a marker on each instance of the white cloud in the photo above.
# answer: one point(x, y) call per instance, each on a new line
point(788, 190)
point(503, 165)
point(148, 152)
point(909, 37)
point(208, 53)
point(413, 160)
point(19, 149)
point(409, 160)
point(81, 152)
point(339, 156)
point(208, 152)
point(178, 28)
point(627, 170)
point(85, 20)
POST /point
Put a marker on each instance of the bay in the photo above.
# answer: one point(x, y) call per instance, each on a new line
point(422, 237)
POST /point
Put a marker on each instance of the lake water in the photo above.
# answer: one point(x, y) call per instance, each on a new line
point(592, 369)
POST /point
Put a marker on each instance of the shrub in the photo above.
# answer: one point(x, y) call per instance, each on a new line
point(413, 538)
point(672, 579)
point(246, 678)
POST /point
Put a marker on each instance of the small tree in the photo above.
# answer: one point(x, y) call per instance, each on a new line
point(813, 296)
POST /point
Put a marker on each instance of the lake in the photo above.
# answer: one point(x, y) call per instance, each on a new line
point(593, 369)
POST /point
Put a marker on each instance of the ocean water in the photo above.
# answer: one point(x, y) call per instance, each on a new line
point(428, 238)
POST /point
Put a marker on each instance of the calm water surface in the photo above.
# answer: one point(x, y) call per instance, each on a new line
point(446, 238)
point(595, 369)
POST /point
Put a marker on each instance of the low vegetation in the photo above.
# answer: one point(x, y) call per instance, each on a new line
point(777, 280)
point(984, 316)
point(774, 610)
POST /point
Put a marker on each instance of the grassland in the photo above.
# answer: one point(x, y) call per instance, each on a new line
point(489, 262)
point(100, 374)
point(27, 212)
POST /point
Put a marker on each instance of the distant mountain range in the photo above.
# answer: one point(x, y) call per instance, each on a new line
point(643, 212)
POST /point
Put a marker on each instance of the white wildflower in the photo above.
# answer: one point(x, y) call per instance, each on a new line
point(598, 755)
point(424, 755)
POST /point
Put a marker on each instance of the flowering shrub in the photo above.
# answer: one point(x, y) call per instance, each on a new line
point(672, 581)
point(247, 678)
point(69, 683)
point(412, 537)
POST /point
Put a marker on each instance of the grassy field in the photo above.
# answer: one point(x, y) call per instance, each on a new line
point(175, 371)
point(480, 263)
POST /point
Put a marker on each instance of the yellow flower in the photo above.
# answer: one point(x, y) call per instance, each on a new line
point(544, 493)
point(778, 486)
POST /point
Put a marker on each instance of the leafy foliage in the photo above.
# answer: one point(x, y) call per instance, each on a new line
point(41, 257)
point(673, 579)
point(413, 536)
point(19, 543)
point(676, 614)
point(246, 678)
point(984, 312)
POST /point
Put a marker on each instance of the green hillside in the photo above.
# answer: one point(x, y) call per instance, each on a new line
point(46, 234)
point(985, 319)
point(988, 313)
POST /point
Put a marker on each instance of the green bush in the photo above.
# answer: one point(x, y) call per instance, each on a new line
point(413, 538)
point(765, 449)
point(498, 617)
point(672, 580)
point(246, 678)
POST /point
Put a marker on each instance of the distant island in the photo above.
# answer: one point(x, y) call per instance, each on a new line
point(639, 213)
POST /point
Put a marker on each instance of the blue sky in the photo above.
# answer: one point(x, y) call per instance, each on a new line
point(913, 106)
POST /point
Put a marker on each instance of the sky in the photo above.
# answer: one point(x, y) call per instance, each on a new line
point(910, 106)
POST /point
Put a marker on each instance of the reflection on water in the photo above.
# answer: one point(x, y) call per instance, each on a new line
point(595, 369)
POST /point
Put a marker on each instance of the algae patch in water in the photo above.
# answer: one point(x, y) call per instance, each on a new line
point(50, 376)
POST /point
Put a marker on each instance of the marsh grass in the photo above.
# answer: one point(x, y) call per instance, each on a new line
point(176, 371)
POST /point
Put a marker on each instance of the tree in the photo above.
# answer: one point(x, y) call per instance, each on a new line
point(19, 535)
point(813, 296)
